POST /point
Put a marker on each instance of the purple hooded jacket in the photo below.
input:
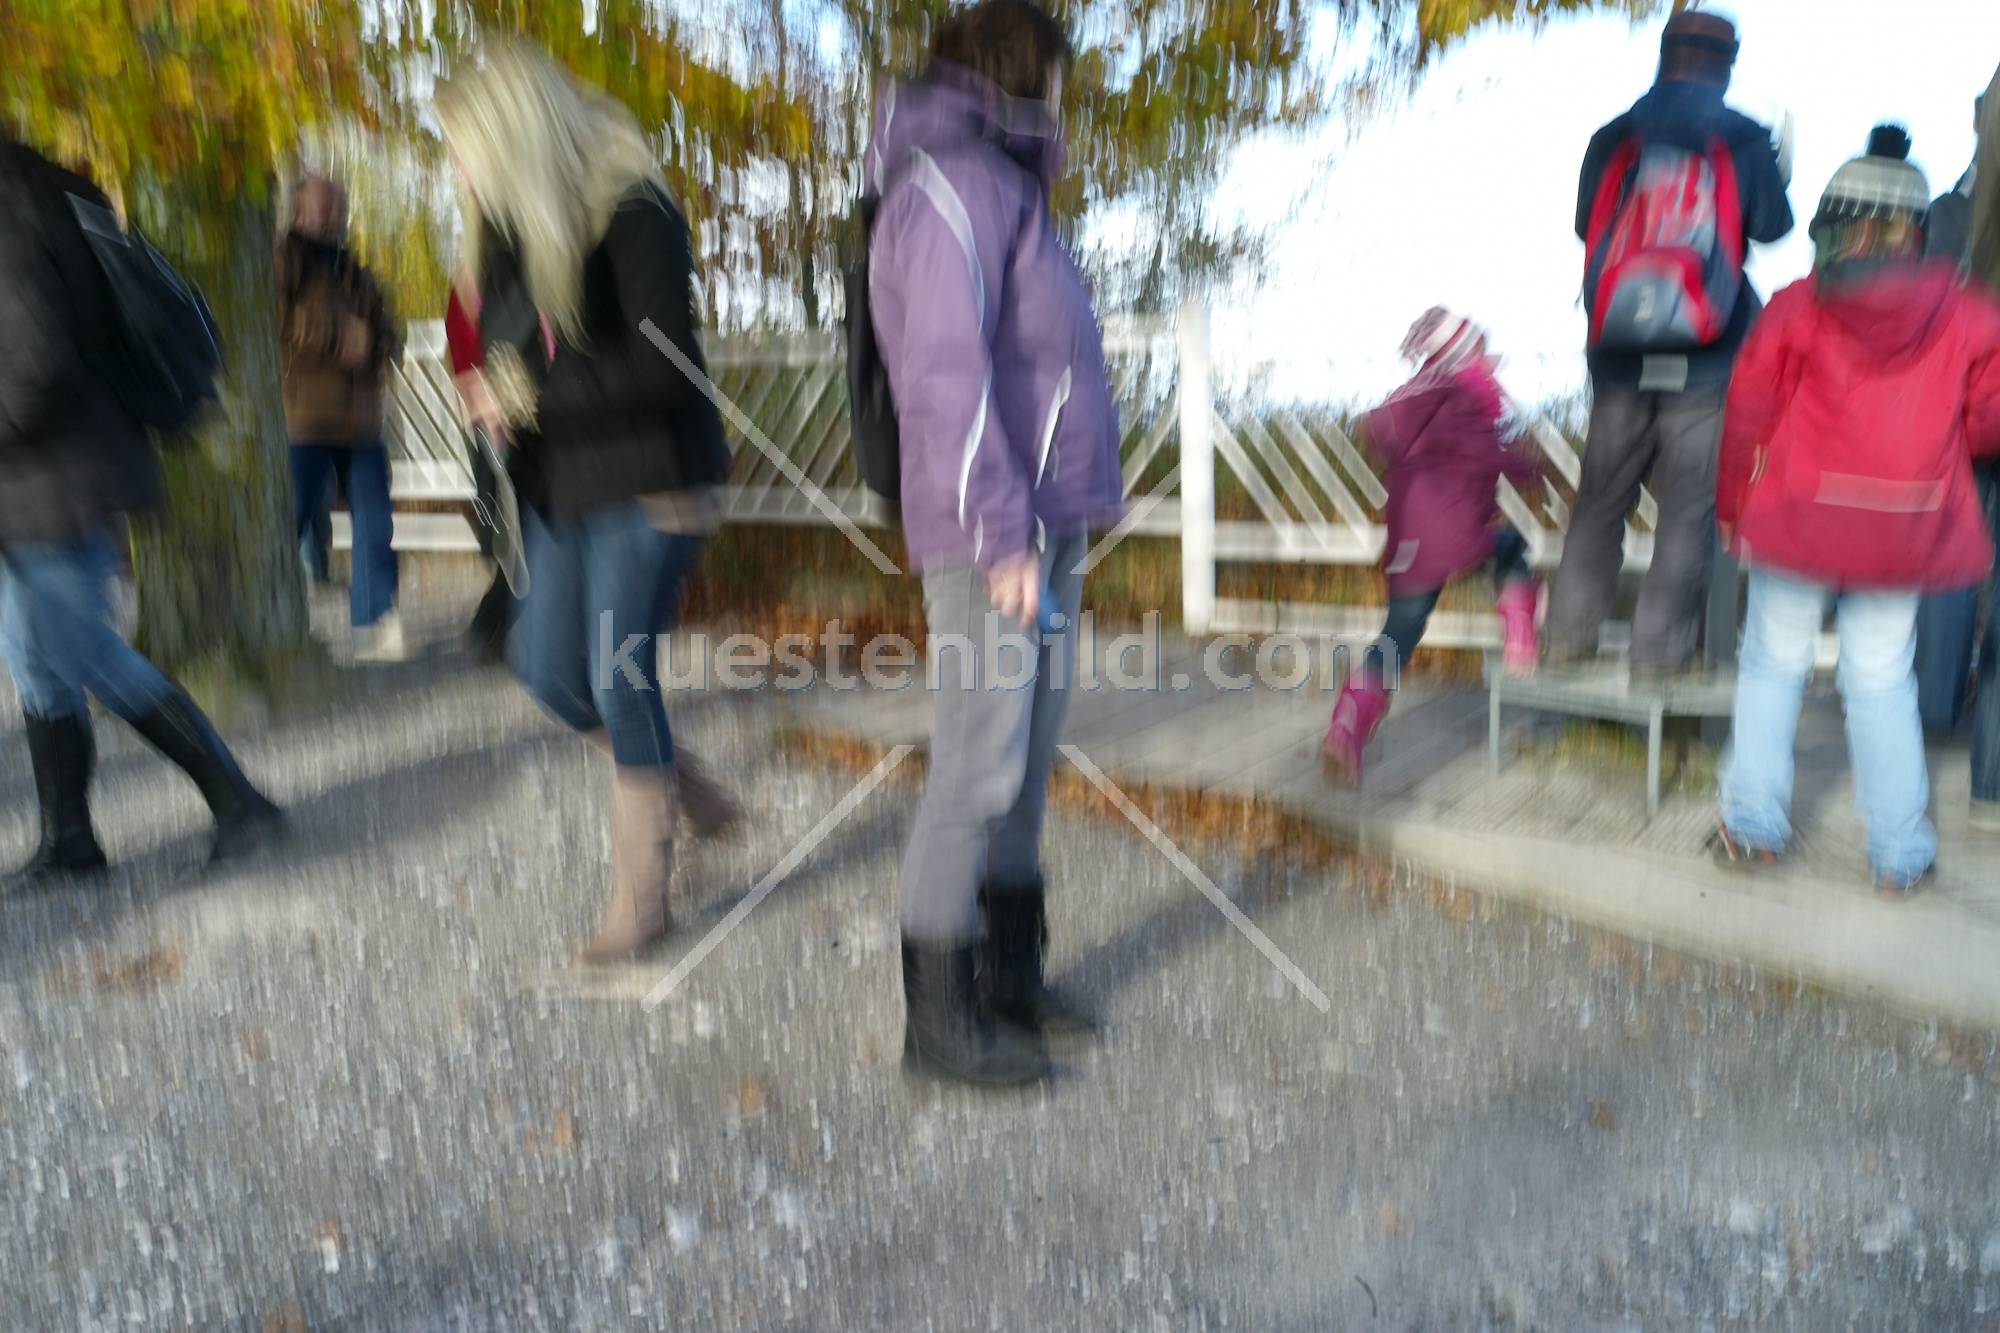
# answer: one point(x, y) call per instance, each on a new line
point(1008, 425)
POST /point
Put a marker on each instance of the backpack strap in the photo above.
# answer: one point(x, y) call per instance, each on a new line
point(1728, 201)
point(1611, 187)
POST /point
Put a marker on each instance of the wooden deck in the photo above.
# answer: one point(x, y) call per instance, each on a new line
point(1569, 835)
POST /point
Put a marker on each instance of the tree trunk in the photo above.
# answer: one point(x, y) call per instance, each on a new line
point(220, 585)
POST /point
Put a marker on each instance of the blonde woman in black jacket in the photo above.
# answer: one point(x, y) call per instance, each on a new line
point(577, 246)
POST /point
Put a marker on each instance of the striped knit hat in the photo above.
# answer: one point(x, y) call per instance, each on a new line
point(1442, 340)
point(1880, 184)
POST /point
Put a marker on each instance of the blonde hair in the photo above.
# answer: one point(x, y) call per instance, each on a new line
point(547, 162)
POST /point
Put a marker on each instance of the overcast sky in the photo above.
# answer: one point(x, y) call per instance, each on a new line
point(1465, 196)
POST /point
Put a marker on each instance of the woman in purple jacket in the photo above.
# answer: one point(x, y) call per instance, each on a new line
point(1440, 437)
point(1009, 438)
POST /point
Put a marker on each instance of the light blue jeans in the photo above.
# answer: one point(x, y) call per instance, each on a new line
point(56, 632)
point(1878, 688)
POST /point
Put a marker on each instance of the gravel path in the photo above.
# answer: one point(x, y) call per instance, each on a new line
point(359, 1086)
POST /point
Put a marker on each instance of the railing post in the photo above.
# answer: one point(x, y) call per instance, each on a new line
point(1197, 405)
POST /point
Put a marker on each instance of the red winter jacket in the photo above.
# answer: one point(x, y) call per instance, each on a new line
point(1440, 441)
point(1853, 421)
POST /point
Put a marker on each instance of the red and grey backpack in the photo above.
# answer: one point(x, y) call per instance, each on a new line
point(1665, 249)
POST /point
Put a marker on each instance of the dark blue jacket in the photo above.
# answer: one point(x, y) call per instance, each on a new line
point(1690, 115)
point(1951, 224)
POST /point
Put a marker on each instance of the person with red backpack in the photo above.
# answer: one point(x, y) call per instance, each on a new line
point(1673, 193)
point(1440, 438)
point(1846, 477)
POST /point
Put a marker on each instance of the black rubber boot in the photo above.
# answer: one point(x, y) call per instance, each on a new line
point(948, 1030)
point(1017, 941)
point(244, 820)
point(64, 755)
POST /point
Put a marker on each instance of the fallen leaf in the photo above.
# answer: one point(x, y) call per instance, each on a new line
point(138, 974)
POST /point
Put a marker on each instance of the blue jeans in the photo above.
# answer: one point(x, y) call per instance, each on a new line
point(1410, 614)
point(1878, 687)
point(56, 632)
point(363, 471)
point(316, 547)
point(1945, 630)
point(601, 590)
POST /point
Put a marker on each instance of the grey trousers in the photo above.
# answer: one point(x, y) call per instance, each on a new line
point(1672, 438)
point(993, 742)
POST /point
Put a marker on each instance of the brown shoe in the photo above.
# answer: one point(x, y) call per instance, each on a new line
point(711, 810)
point(645, 815)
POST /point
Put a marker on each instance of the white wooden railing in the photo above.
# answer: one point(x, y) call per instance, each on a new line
point(1295, 488)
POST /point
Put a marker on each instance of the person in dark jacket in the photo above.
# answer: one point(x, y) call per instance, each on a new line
point(1949, 647)
point(338, 340)
point(1440, 438)
point(1660, 417)
point(73, 464)
point(1950, 233)
point(1845, 479)
point(1009, 435)
point(1948, 622)
point(582, 260)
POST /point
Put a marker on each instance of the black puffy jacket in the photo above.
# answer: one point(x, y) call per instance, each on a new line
point(71, 456)
point(616, 418)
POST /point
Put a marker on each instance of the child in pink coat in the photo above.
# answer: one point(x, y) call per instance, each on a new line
point(1440, 438)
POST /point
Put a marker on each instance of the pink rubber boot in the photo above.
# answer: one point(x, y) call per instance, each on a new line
point(1360, 709)
point(1516, 605)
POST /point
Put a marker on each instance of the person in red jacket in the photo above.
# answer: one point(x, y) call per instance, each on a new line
point(1439, 436)
point(1845, 477)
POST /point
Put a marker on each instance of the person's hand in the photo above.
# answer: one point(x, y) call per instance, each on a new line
point(1014, 586)
point(1727, 531)
point(481, 410)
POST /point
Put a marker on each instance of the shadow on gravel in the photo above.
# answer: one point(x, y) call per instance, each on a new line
point(374, 812)
point(1154, 943)
point(855, 843)
point(360, 698)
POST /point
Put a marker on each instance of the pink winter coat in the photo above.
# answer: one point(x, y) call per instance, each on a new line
point(1440, 438)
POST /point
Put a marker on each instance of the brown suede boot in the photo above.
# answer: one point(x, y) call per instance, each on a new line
point(712, 810)
point(644, 816)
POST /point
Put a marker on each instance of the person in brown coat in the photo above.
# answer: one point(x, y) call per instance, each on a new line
point(339, 341)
